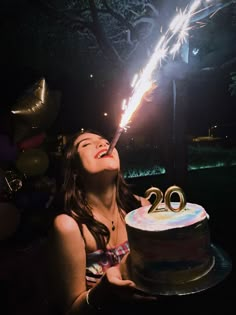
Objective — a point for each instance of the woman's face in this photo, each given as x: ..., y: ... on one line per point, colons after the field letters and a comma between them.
x: 92, y: 149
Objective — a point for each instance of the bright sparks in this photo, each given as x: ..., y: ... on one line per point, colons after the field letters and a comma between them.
x: 168, y: 45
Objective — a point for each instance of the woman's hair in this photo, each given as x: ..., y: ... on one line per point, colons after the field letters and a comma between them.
x: 75, y: 201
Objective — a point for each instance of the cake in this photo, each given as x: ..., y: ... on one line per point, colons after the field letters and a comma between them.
x: 171, y: 251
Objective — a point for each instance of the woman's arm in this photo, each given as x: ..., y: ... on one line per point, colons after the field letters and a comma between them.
x: 67, y: 264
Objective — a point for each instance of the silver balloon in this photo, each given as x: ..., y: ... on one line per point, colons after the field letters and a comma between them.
x: 38, y: 107
x: 14, y: 183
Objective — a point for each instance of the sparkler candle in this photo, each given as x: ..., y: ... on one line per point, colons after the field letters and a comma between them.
x: 133, y: 104
x: 169, y: 44
x: 114, y: 140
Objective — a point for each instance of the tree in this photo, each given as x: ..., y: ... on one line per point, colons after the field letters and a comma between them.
x: 232, y: 86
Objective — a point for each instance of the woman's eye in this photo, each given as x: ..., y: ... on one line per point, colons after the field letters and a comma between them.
x: 107, y: 142
x: 85, y: 144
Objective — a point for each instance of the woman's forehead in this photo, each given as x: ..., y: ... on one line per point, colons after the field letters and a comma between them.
x: 86, y: 136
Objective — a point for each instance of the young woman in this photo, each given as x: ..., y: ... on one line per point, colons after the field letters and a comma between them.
x: 89, y: 243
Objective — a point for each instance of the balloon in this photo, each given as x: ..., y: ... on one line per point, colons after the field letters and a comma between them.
x: 5, y: 190
x: 39, y: 106
x: 32, y: 162
x: 9, y: 220
x: 22, y: 130
x: 32, y: 142
x: 13, y: 180
x: 8, y: 150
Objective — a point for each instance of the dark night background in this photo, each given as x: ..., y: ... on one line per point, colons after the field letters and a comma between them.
x: 88, y: 52
x: 44, y: 38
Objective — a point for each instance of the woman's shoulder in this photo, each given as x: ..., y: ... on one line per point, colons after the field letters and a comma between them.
x: 64, y: 234
x: 63, y: 223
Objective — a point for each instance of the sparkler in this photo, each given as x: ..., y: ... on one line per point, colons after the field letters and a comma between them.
x: 169, y: 44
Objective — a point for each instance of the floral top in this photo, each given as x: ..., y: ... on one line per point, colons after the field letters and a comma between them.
x: 99, y: 261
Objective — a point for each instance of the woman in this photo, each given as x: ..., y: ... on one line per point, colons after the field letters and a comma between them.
x: 89, y: 241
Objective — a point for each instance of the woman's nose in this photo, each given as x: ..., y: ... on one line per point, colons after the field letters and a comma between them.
x: 102, y: 143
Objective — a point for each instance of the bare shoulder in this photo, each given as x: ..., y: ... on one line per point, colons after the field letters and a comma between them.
x: 64, y: 223
x: 66, y: 231
x: 144, y: 201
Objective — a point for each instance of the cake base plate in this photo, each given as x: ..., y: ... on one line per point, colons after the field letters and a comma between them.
x: 221, y: 268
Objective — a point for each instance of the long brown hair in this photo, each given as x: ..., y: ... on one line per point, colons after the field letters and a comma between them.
x: 75, y: 200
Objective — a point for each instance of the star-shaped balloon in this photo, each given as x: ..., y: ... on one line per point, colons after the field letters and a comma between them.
x: 37, y: 109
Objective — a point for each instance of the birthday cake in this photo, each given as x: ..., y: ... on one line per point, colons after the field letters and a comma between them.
x: 171, y: 251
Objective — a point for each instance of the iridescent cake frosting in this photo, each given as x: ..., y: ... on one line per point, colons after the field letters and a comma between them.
x: 163, y: 219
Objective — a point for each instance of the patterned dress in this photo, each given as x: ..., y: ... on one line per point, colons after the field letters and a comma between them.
x: 99, y: 261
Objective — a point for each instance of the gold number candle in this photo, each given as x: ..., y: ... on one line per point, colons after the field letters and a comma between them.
x: 167, y: 198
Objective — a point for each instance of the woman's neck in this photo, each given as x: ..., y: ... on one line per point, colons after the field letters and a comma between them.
x: 103, y: 200
x: 101, y: 192
x: 101, y: 185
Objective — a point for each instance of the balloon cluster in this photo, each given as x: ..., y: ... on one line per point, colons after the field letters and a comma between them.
x: 24, y: 160
x: 33, y: 113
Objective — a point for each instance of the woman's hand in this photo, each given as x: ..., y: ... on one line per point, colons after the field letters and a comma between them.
x: 115, y: 287
x: 114, y: 277
x: 125, y: 289
x: 136, y: 294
